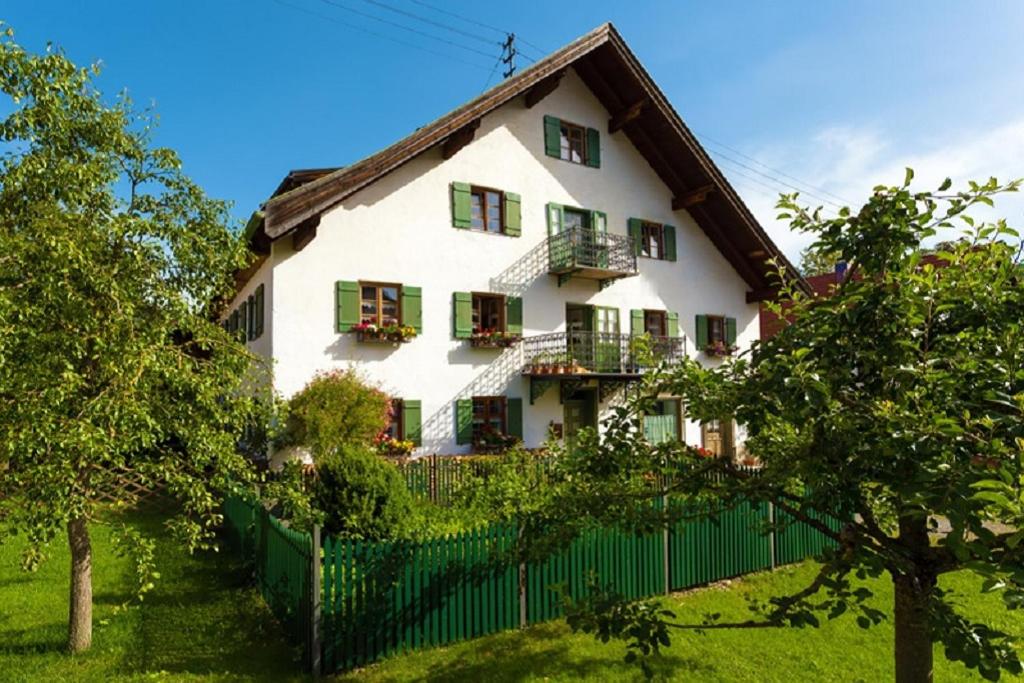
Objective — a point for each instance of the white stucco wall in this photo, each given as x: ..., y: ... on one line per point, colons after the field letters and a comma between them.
x: 399, y: 230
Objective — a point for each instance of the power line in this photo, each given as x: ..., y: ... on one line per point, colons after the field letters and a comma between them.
x: 476, y: 22
x: 460, y: 16
x: 407, y: 28
x: 782, y: 183
x: 382, y: 36
x: 770, y: 168
x: 773, y: 191
x: 425, y: 20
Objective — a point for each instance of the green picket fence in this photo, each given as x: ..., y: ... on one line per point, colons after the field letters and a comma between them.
x: 631, y: 564
x: 377, y: 599
x: 281, y: 559
x: 384, y: 598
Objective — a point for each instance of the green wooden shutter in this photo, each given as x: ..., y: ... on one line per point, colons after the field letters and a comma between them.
x: 553, y: 137
x: 514, y: 314
x: 412, y: 416
x: 554, y: 212
x: 233, y: 321
x: 593, y: 148
x: 702, y: 331
x: 636, y: 321
x: 513, y: 214
x: 635, y: 231
x: 730, y: 331
x: 243, y: 319
x: 599, y: 221
x: 462, y: 314
x: 251, y: 308
x: 260, y: 303
x: 673, y: 324
x: 464, y: 421
x: 412, y: 307
x: 670, y: 242
x: 515, y: 417
x: 346, y: 305
x: 462, y: 214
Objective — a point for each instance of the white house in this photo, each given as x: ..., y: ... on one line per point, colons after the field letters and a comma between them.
x: 528, y: 237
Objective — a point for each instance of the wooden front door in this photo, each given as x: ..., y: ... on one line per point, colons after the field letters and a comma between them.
x: 716, y: 436
x: 580, y: 410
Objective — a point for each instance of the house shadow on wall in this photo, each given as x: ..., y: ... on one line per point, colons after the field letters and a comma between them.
x: 500, y: 377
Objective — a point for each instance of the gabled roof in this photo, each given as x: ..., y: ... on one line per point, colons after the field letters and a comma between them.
x: 638, y: 108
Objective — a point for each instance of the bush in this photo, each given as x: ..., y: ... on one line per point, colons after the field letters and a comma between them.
x: 335, y: 409
x: 362, y: 496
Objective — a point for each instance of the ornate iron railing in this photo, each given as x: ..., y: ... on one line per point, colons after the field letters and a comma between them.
x: 578, y: 248
x: 576, y: 353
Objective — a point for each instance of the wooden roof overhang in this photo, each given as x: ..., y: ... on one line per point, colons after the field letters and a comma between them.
x: 637, y: 107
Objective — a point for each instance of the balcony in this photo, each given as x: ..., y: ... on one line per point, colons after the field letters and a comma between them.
x: 580, y: 252
x: 573, y: 359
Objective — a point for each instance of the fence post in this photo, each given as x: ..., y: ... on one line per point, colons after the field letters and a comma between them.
x: 664, y: 544
x: 316, y: 581
x: 771, y: 536
x: 522, y: 579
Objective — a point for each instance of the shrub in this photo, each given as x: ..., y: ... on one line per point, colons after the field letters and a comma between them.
x: 362, y: 496
x: 335, y: 409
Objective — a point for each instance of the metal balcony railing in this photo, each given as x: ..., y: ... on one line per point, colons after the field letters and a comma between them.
x: 597, y: 255
x: 581, y: 353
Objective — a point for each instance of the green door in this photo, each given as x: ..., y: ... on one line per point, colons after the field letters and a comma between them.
x: 579, y: 327
x: 607, y: 351
x: 580, y: 411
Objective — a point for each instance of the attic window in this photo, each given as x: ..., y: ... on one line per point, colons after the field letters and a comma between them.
x: 573, y: 143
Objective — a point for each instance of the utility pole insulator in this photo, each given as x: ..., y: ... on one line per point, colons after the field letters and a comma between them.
x: 508, y: 54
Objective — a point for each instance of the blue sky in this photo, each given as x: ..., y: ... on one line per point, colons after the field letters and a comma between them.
x: 840, y: 96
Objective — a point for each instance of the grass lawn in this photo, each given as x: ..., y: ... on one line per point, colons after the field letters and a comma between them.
x: 201, y: 623
x: 839, y: 651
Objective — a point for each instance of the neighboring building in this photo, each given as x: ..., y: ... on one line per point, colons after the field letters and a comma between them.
x: 569, y: 206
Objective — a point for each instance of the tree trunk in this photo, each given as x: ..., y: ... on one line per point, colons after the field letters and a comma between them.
x: 913, y: 594
x: 80, y: 618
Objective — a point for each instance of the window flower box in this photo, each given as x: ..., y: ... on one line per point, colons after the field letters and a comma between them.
x: 493, y: 339
x: 492, y: 442
x: 384, y: 334
x: 719, y: 349
x: 394, y: 447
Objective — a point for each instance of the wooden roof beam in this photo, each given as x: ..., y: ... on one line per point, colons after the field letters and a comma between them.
x: 693, y: 197
x: 762, y: 294
x: 627, y: 115
x: 459, y: 139
x: 305, y: 232
x: 544, y: 88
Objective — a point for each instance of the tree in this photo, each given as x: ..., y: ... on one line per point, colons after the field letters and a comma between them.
x: 110, y: 354
x: 814, y: 262
x: 896, y: 404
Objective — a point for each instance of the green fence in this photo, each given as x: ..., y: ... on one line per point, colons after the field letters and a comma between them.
x: 281, y: 560
x: 381, y: 598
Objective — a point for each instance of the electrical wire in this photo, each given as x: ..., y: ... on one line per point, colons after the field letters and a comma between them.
x: 469, y: 20
x: 333, y: 3
x: 781, y: 183
x: 707, y: 139
x: 382, y: 36
x: 438, y: 24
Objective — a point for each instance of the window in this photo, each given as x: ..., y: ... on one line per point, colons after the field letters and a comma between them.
x: 656, y: 323
x: 573, y: 143
x: 489, y: 416
x: 379, y: 304
x: 716, y: 329
x: 395, y: 429
x: 574, y: 218
x: 488, y: 312
x: 485, y: 210
x: 652, y: 240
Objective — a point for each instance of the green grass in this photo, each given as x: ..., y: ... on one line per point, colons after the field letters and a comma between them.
x: 838, y: 651
x: 202, y: 622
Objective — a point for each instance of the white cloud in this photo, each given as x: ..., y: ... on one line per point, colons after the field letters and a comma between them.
x: 847, y: 161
